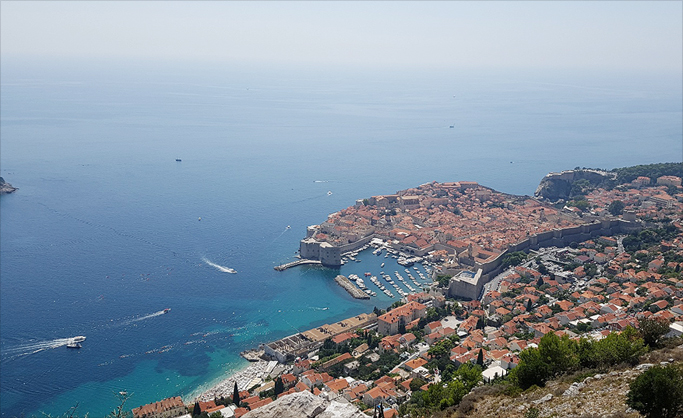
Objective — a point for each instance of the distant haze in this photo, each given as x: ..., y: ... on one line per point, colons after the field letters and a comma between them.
x: 570, y: 35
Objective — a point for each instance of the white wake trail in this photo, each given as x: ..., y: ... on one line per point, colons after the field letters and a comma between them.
x: 33, y: 348
x: 219, y: 267
x: 140, y: 318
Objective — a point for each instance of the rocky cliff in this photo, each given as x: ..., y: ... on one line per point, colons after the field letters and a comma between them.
x: 6, y: 187
x: 555, y: 186
x: 580, y: 395
x: 306, y: 405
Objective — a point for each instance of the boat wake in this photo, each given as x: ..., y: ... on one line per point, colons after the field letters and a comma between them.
x: 35, y: 347
x: 219, y: 267
x: 287, y: 228
x: 141, y: 318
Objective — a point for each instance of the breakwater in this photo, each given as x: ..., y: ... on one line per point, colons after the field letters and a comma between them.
x: 344, y: 282
x: 295, y: 263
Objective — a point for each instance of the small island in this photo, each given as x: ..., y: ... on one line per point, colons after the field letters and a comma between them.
x: 6, y: 187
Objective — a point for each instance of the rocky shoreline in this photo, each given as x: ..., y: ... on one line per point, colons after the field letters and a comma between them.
x: 6, y: 187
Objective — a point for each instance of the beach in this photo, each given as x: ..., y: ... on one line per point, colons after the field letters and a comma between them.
x: 254, y: 374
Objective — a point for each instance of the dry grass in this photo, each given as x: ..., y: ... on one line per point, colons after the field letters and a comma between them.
x: 603, y: 397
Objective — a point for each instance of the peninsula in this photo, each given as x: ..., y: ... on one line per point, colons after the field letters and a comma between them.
x: 6, y: 187
x: 591, y: 268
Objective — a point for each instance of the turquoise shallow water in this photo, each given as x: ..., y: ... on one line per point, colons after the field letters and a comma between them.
x: 104, y: 232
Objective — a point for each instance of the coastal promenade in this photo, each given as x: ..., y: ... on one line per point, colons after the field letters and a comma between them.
x: 283, y: 267
x: 344, y: 282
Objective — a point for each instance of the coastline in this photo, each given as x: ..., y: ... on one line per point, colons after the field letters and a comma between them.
x: 224, y: 388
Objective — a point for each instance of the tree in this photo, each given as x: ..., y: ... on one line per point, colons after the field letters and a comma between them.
x: 616, y: 207
x: 591, y: 269
x: 216, y: 414
x: 416, y: 384
x: 652, y: 330
x: 480, y: 357
x: 582, y: 204
x: 528, y: 305
x: 120, y: 411
x: 236, y: 396
x: 558, y: 353
x: 196, y: 411
x: 441, y: 348
x: 623, y: 347
x: 401, y: 326
x: 531, y: 370
x: 279, y: 386
x: 658, y: 392
x: 513, y: 259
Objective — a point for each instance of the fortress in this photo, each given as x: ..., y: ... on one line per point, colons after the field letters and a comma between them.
x: 468, y: 226
x: 470, y: 284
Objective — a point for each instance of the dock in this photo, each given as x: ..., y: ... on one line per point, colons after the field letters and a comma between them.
x: 344, y: 282
x: 296, y: 263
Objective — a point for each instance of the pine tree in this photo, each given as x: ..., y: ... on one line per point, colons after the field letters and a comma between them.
x: 197, y: 411
x: 236, y: 396
x: 528, y: 306
x: 480, y: 357
x: 279, y: 386
x: 401, y: 326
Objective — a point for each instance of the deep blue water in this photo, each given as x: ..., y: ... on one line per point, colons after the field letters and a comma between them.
x: 104, y: 232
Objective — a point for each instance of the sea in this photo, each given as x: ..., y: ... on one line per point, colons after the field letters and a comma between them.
x: 108, y: 229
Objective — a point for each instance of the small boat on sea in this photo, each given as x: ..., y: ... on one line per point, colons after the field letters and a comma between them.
x: 178, y: 159
x: 381, y: 265
x: 167, y: 310
x: 75, y: 342
x: 329, y: 192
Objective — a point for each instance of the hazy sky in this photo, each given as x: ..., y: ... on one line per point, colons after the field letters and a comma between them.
x: 540, y: 34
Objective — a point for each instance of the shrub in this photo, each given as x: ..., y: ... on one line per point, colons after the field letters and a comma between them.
x: 658, y: 392
x: 532, y: 413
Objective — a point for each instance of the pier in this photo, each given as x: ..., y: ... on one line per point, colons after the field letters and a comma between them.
x: 296, y: 263
x: 349, y: 287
